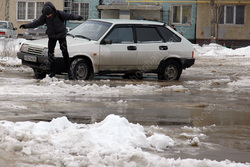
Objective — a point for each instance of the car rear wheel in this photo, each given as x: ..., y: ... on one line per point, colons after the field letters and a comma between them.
x: 39, y: 74
x: 81, y: 69
x: 170, y: 70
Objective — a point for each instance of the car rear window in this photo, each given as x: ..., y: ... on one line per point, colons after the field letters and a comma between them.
x: 169, y: 35
x: 148, y: 34
x: 3, y: 25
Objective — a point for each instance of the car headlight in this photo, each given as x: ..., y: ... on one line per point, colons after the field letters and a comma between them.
x: 24, y: 48
x: 45, y: 52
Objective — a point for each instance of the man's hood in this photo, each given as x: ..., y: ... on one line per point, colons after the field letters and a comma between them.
x: 50, y: 5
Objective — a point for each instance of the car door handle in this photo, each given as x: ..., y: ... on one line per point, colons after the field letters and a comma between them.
x: 132, y: 47
x: 163, y: 47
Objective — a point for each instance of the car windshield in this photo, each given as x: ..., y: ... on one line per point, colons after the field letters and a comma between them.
x: 90, y: 29
x: 3, y: 25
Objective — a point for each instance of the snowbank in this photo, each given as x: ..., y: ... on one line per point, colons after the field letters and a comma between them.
x: 8, y: 49
x: 220, y: 51
x: 112, y: 142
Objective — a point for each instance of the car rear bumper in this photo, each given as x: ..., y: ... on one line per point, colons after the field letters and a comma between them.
x: 187, y: 62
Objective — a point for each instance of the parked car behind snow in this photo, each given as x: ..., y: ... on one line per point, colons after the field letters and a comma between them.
x: 35, y: 33
x: 115, y: 46
x: 7, y: 30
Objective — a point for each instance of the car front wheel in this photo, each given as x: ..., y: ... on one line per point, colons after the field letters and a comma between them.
x: 170, y: 70
x: 81, y: 69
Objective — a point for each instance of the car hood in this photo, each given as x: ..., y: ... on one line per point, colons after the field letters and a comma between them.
x: 44, y: 42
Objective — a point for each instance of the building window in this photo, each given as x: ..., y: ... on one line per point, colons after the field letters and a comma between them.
x: 39, y: 8
x: 81, y: 9
x: 29, y: 10
x: 21, y: 10
x: 232, y: 15
x: 182, y: 14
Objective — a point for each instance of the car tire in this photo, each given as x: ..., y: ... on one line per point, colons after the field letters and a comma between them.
x: 81, y: 69
x: 39, y: 74
x: 170, y: 70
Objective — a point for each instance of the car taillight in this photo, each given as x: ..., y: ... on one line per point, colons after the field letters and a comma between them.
x: 193, y: 54
x: 2, y: 33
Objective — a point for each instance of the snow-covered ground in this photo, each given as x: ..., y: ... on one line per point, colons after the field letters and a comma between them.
x: 114, y: 141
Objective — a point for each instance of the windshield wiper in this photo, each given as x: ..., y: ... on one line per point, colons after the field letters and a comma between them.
x: 70, y: 35
x: 83, y: 37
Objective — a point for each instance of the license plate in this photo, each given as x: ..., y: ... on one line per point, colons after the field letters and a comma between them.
x: 30, y: 58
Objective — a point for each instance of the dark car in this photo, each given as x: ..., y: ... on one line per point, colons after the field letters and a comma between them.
x: 35, y: 33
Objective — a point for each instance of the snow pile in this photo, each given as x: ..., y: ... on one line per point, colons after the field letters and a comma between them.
x: 112, y: 142
x: 10, y: 61
x: 160, y: 141
x: 193, y: 135
x: 8, y: 51
x: 220, y: 51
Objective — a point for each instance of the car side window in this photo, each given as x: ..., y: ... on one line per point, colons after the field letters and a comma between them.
x: 121, y: 35
x: 169, y: 35
x: 148, y: 34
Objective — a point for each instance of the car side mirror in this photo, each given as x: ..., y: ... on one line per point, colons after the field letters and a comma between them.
x: 107, y: 41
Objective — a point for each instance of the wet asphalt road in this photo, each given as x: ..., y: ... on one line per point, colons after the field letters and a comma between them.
x: 209, y: 101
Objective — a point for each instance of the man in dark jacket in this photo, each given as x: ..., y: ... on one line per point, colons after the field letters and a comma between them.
x: 56, y: 30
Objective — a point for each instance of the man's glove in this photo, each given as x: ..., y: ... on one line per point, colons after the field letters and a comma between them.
x: 80, y: 18
x: 22, y: 26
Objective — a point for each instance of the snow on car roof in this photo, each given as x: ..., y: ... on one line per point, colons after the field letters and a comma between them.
x: 125, y: 21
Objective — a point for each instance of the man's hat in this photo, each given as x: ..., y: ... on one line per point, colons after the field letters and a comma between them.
x: 47, y: 10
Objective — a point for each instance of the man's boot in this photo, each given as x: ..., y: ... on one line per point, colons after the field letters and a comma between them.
x: 70, y: 76
x: 52, y: 74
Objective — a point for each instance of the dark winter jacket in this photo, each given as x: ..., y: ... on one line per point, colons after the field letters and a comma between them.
x: 55, y: 24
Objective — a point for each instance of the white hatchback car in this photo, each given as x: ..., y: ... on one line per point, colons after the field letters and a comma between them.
x: 7, y: 30
x: 102, y: 46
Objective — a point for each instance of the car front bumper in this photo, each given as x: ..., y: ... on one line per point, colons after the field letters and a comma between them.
x: 34, y: 61
x: 41, y: 62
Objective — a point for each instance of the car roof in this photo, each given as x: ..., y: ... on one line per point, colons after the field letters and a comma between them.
x: 4, y: 21
x: 125, y: 21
